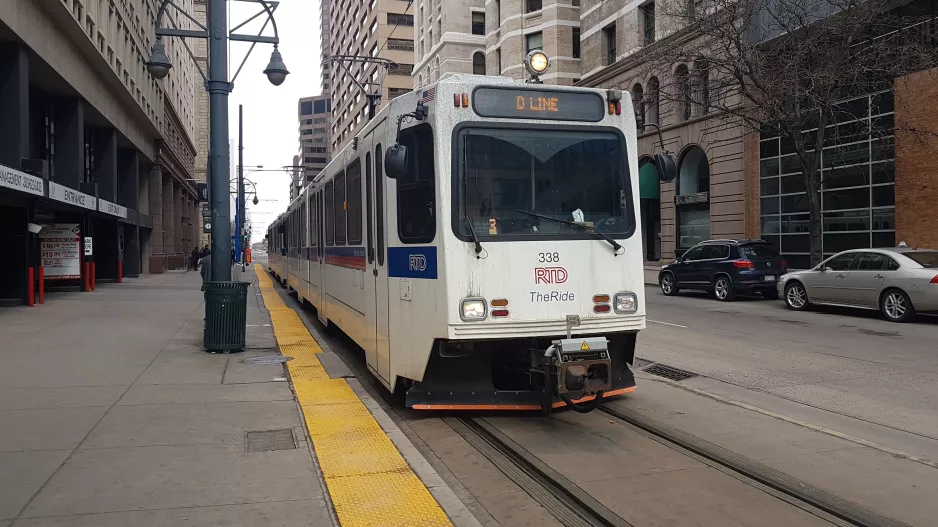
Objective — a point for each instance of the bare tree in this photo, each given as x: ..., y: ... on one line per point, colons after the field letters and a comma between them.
x: 786, y: 65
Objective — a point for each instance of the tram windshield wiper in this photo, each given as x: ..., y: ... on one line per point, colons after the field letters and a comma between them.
x: 475, y: 238
x: 615, y: 245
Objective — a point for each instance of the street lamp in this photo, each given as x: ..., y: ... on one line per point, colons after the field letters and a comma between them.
x: 219, y: 86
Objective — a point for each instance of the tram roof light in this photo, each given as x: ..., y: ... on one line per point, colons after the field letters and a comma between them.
x: 536, y: 62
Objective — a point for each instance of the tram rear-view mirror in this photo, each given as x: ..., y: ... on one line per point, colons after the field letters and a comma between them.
x: 395, y: 161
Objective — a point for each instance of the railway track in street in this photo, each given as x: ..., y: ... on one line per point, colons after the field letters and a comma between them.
x: 573, y: 506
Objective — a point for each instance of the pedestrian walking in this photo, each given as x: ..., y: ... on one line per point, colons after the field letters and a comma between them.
x: 206, y: 269
x: 194, y: 259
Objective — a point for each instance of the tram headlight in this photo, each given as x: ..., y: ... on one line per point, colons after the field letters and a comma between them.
x: 472, y: 309
x: 626, y: 303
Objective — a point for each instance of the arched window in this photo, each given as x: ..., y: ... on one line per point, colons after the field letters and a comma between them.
x: 703, y: 87
x: 651, y: 104
x: 693, y: 215
x: 682, y: 87
x: 638, y: 100
x: 478, y: 63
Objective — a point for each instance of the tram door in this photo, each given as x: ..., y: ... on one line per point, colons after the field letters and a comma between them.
x: 377, y: 352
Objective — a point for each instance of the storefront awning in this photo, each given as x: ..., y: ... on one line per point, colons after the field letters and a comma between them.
x: 648, y: 187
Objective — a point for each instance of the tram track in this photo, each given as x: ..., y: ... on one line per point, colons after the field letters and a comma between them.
x: 572, y: 506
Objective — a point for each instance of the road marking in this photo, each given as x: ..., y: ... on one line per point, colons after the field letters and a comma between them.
x: 803, y: 424
x: 666, y: 323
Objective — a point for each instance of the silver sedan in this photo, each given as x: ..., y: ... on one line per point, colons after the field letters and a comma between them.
x: 896, y: 281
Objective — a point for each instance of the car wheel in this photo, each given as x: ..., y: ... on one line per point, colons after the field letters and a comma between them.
x: 771, y: 294
x: 668, y: 287
x: 723, y: 289
x: 896, y: 306
x: 796, y: 297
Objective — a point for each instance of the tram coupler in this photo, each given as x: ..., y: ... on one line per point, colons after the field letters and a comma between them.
x: 581, y: 367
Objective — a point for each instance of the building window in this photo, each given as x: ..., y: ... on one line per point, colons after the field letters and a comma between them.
x: 534, y: 5
x: 609, y: 43
x: 319, y: 107
x: 534, y: 41
x: 683, y: 87
x: 648, y: 22
x: 478, y: 23
x: 576, y: 43
x: 857, y: 189
x: 498, y: 12
x: 400, y: 44
x: 652, y: 98
x: 394, y: 93
x: 416, y: 195
x: 702, y: 86
x: 638, y: 101
x: 374, y: 27
x: 478, y: 63
x: 498, y: 61
x: 693, y: 220
x: 401, y: 20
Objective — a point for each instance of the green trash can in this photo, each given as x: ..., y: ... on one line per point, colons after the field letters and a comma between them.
x: 226, y: 305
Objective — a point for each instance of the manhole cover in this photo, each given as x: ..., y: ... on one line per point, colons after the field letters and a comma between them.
x: 641, y: 363
x: 669, y: 372
x: 279, y: 359
x: 269, y: 440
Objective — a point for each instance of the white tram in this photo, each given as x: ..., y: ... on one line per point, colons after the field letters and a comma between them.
x: 479, y: 240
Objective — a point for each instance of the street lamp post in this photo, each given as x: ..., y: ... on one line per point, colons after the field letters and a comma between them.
x: 219, y: 87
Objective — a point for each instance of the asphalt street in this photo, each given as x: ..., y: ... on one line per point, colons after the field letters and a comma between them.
x: 842, y: 362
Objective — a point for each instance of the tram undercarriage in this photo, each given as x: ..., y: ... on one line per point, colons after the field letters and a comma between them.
x: 539, y: 373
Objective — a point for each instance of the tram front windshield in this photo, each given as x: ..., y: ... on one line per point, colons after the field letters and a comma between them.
x: 512, y: 182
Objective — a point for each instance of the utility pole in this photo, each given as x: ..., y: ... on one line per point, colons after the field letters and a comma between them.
x: 218, y: 89
x: 239, y: 202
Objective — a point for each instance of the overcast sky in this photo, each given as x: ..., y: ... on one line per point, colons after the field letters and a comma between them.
x: 270, y: 113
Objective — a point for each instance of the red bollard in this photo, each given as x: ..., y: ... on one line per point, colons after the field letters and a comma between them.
x: 94, y: 279
x: 30, y: 292
x: 87, y: 276
x: 120, y: 271
x: 42, y: 285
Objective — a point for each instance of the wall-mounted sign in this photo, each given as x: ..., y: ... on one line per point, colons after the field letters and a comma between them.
x: 72, y: 197
x: 203, y: 191
x: 690, y: 199
x: 60, y: 247
x: 89, y: 246
x: 554, y: 105
x: 111, y: 208
x: 21, y: 181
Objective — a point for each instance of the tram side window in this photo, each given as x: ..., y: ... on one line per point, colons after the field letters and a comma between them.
x: 340, y: 208
x: 330, y: 216
x: 313, y: 233
x: 416, y: 193
x: 354, y: 209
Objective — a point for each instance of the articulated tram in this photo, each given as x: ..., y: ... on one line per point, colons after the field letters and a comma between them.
x: 478, y: 240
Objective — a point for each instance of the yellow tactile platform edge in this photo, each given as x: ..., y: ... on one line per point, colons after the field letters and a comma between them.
x: 369, y: 482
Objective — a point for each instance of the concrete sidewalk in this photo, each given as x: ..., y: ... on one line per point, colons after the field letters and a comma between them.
x: 112, y: 415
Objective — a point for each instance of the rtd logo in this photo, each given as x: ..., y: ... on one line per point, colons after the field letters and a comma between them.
x: 550, y: 275
x: 417, y: 262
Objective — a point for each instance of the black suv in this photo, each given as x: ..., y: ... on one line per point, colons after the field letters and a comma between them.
x: 725, y: 268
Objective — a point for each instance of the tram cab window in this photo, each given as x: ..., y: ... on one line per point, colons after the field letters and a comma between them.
x: 512, y: 182
x: 416, y: 192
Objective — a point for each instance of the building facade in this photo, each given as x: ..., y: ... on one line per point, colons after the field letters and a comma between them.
x: 375, y: 28
x: 89, y: 141
x: 494, y: 37
x: 733, y: 182
x: 315, y: 139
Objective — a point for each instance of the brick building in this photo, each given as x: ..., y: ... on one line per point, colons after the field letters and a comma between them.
x: 89, y: 141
